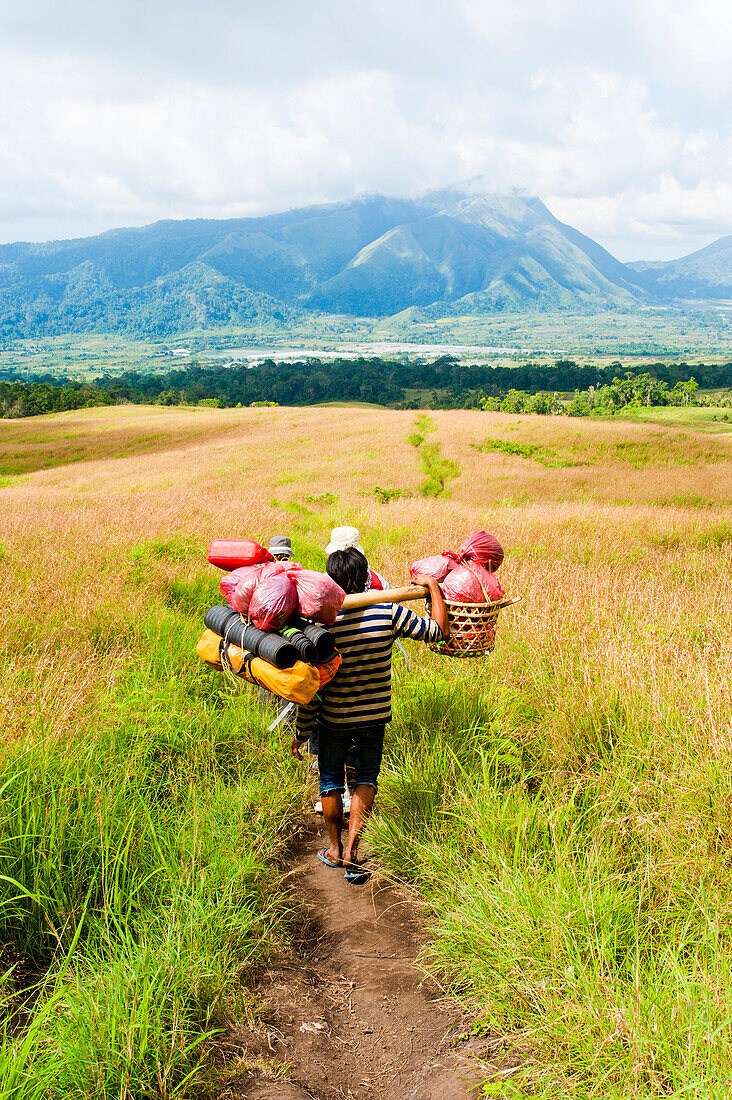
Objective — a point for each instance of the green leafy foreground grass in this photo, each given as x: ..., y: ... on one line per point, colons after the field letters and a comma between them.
x: 582, y: 913
x: 139, y: 881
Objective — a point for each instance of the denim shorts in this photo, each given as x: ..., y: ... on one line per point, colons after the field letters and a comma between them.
x: 333, y: 748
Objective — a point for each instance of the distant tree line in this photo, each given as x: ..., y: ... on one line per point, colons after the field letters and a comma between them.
x: 442, y: 383
x: 632, y: 391
x: 34, y: 398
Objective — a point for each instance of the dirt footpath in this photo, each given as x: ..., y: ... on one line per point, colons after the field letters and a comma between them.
x: 347, y: 1014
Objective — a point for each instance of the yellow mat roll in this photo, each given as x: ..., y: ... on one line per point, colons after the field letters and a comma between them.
x: 297, y: 684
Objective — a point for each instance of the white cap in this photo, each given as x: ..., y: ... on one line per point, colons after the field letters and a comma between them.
x: 344, y: 538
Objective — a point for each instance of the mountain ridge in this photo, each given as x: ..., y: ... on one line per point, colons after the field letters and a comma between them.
x: 375, y: 257
x: 706, y: 273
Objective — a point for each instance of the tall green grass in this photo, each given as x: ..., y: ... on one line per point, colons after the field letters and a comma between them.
x: 139, y: 879
x: 584, y: 911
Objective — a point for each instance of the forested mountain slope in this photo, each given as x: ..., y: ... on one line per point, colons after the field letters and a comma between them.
x: 703, y: 274
x: 372, y: 257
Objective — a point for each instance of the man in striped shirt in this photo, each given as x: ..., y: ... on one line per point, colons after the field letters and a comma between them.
x: 356, y: 704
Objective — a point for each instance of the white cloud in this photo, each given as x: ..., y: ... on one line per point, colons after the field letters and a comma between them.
x: 615, y: 113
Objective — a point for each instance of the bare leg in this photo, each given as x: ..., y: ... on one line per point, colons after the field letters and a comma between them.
x: 361, y: 803
x: 333, y: 814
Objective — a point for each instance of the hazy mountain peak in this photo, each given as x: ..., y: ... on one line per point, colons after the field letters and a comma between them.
x: 374, y: 256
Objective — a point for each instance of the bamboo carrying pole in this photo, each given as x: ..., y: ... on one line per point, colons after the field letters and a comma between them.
x: 386, y: 595
x: 400, y: 595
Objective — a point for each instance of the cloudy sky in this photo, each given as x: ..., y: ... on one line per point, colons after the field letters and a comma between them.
x: 616, y: 112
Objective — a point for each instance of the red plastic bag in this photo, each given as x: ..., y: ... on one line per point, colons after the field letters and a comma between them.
x: 228, y: 583
x: 318, y: 596
x: 472, y: 584
x: 233, y: 553
x: 251, y: 576
x: 274, y: 600
x: 376, y: 582
x: 482, y: 548
x: 437, y: 566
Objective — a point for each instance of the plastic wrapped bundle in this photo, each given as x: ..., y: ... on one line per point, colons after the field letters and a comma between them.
x: 318, y: 596
x: 228, y: 583
x: 249, y: 579
x: 273, y: 602
x: 329, y: 669
x: 482, y: 548
x: 472, y: 584
x: 298, y: 683
x: 437, y: 566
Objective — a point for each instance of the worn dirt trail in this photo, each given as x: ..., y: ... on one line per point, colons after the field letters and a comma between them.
x: 347, y: 1014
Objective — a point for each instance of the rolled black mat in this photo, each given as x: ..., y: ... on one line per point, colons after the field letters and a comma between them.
x: 275, y: 649
x: 307, y: 649
x: 323, y: 639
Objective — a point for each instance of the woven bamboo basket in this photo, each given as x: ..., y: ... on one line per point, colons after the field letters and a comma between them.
x: 472, y: 625
x: 472, y: 628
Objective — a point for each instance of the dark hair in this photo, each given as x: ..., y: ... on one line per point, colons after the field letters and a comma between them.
x: 349, y: 569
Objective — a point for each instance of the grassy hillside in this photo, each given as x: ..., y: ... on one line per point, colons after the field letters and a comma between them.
x: 563, y: 808
x: 713, y: 419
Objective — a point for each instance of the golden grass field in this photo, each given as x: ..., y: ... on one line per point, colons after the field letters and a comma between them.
x: 617, y: 544
x: 618, y: 539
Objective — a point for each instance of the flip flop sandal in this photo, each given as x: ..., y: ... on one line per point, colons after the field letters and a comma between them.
x: 327, y: 862
x: 356, y: 875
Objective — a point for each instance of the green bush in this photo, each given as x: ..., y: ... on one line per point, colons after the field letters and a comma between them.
x: 423, y: 425
x: 440, y: 471
x: 524, y: 450
x: 383, y: 496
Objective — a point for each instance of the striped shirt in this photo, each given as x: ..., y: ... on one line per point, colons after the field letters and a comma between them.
x: 360, y: 692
